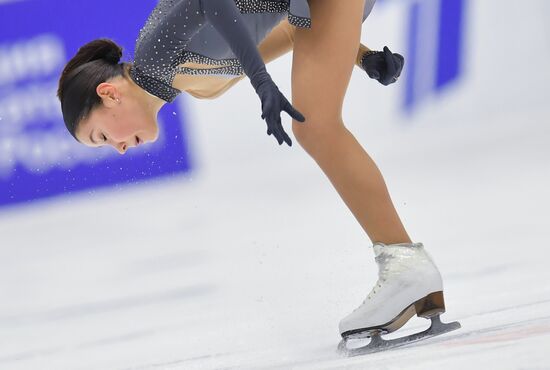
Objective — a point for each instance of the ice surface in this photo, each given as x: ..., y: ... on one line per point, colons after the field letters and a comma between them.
x: 214, y: 272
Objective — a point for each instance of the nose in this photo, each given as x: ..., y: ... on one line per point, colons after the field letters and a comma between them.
x: 122, y: 147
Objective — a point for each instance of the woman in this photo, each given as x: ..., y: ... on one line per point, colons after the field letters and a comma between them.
x: 204, y: 47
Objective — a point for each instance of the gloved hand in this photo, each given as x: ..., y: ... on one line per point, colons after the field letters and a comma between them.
x: 226, y: 18
x: 383, y: 66
x: 273, y: 102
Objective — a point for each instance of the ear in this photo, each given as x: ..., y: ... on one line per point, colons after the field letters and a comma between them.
x: 108, y: 93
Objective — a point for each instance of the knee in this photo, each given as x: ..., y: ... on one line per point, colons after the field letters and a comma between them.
x: 317, y: 132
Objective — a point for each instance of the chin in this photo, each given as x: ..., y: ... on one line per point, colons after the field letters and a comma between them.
x: 155, y: 135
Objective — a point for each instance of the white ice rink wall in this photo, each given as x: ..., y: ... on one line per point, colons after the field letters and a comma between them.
x: 131, y: 272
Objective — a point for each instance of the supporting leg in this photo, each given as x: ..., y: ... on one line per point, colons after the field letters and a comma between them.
x: 323, y: 60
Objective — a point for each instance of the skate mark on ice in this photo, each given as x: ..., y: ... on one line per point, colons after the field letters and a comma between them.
x: 44, y: 352
x: 163, y: 365
x: 485, y: 271
x: 502, y: 333
x: 164, y: 263
x: 69, y: 312
x: 508, y: 308
x: 27, y: 355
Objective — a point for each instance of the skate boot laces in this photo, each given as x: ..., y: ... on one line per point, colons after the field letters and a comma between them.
x: 392, y: 260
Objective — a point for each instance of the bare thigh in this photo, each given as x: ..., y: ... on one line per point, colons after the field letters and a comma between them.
x: 323, y: 60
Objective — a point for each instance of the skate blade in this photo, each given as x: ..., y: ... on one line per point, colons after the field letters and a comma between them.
x: 377, y: 343
x: 389, y: 327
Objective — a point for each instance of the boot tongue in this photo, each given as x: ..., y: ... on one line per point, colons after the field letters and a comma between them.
x: 378, y: 248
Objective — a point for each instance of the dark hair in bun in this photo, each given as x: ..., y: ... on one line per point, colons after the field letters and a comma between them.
x: 94, y: 63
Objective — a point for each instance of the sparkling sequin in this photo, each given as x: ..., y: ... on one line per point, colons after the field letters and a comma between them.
x: 162, y: 43
x: 259, y: 6
x: 153, y: 86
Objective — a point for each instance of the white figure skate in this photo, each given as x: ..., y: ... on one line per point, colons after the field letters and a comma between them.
x: 408, y: 283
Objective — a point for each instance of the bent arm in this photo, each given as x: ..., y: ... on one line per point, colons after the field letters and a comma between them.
x: 276, y: 44
x: 226, y: 18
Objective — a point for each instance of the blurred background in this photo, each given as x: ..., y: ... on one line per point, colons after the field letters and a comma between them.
x: 214, y: 248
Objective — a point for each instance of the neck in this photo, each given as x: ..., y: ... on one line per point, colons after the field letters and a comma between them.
x: 151, y: 102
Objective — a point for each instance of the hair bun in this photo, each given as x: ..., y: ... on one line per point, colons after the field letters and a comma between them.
x: 109, y: 51
x: 113, y: 55
x: 104, y: 49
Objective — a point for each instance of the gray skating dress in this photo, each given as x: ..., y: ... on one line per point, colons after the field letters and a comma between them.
x: 181, y: 31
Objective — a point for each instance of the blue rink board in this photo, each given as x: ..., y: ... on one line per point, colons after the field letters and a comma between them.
x: 38, y: 157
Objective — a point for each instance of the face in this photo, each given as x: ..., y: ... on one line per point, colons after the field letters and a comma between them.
x: 121, y: 121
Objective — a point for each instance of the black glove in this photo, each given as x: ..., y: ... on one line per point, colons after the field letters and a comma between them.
x: 273, y: 102
x: 226, y: 18
x: 383, y: 66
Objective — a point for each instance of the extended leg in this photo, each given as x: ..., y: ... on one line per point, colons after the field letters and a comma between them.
x: 322, y: 64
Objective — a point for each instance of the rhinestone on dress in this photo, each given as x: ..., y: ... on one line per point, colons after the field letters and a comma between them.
x: 156, y: 74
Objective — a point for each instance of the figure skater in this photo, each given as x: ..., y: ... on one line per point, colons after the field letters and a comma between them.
x: 204, y: 47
